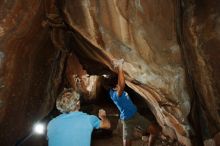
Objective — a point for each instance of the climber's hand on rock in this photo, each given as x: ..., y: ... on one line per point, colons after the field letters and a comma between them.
x: 118, y: 63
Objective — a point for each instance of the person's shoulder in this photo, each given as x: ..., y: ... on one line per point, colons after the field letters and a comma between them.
x: 112, y: 90
x: 92, y: 116
x: 113, y: 94
x: 80, y: 114
x: 125, y: 93
x: 83, y: 115
x: 54, y: 120
x: 94, y: 121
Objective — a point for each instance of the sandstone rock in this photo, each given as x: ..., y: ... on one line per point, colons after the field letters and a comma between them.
x: 170, y: 48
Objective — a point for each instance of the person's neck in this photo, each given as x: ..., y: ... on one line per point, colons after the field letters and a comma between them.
x: 75, y: 110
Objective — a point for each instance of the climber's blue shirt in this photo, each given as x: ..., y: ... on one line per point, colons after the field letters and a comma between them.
x: 124, y: 104
x: 72, y: 129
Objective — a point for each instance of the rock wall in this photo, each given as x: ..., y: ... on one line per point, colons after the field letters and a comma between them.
x: 171, y: 52
x: 144, y: 34
x: 26, y: 55
x: 200, y: 40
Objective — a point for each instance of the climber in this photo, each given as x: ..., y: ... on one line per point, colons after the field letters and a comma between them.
x: 129, y: 116
x: 72, y: 127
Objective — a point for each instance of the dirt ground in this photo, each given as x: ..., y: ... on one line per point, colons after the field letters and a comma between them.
x: 115, y: 139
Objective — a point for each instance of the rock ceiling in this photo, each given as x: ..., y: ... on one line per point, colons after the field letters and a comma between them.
x: 171, y: 52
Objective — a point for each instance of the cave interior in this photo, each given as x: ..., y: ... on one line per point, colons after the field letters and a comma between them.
x: 172, y: 71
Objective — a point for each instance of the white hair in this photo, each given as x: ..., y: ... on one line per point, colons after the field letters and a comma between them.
x: 67, y: 101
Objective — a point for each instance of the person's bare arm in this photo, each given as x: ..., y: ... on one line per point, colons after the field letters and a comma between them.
x: 105, y: 123
x: 121, y: 81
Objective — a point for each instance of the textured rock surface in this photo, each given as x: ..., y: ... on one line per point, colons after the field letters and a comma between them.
x: 25, y: 67
x: 200, y: 41
x: 171, y: 52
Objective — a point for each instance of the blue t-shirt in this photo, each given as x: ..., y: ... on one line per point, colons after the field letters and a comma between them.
x: 124, y: 104
x: 72, y: 129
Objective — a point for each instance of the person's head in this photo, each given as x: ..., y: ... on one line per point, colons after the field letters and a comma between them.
x: 68, y: 101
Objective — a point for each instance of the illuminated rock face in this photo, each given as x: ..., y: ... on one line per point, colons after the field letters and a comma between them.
x: 171, y: 52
